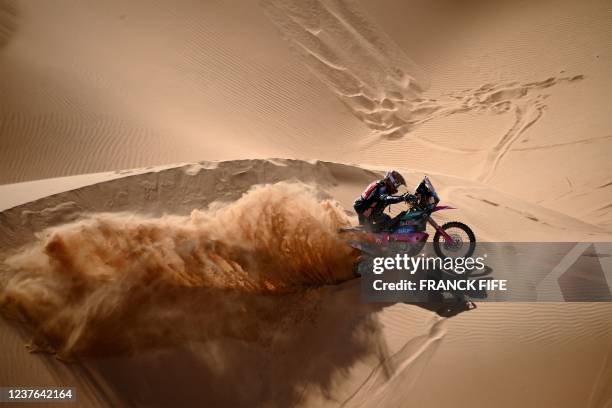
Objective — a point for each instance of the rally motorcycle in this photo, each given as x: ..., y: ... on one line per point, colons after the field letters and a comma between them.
x: 406, y: 231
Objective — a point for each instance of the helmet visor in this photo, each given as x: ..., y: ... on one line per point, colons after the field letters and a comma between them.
x: 396, y: 179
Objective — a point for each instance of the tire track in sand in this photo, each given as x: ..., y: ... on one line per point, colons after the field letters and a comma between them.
x: 383, y: 87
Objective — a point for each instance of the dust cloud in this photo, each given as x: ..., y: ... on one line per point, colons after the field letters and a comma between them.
x: 118, y: 283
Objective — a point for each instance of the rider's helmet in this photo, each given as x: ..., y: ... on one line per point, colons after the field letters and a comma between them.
x: 393, y: 180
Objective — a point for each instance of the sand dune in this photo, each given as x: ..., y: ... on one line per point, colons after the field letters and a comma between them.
x: 390, y: 353
x: 203, y: 82
x: 504, y: 105
x: 272, y: 96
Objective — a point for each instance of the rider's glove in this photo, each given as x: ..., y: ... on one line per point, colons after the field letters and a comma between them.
x: 411, y: 198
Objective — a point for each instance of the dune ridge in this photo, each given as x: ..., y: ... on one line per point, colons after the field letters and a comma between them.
x: 493, y: 214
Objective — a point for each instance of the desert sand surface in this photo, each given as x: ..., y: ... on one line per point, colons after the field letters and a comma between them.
x: 314, y: 344
x: 136, y: 146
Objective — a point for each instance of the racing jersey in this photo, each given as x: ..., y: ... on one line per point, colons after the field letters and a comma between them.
x: 374, y: 199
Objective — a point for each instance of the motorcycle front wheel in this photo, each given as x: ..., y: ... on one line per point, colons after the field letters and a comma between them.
x: 463, y: 245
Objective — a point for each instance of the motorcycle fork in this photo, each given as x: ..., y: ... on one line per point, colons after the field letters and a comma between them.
x: 438, y: 228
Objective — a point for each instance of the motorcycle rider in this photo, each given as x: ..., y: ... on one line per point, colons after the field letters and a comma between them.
x: 370, y: 206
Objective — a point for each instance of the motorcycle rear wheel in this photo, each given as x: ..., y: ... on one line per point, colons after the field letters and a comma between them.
x: 465, y: 241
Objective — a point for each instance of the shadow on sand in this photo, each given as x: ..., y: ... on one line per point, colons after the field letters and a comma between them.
x: 250, y: 357
x: 232, y: 352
